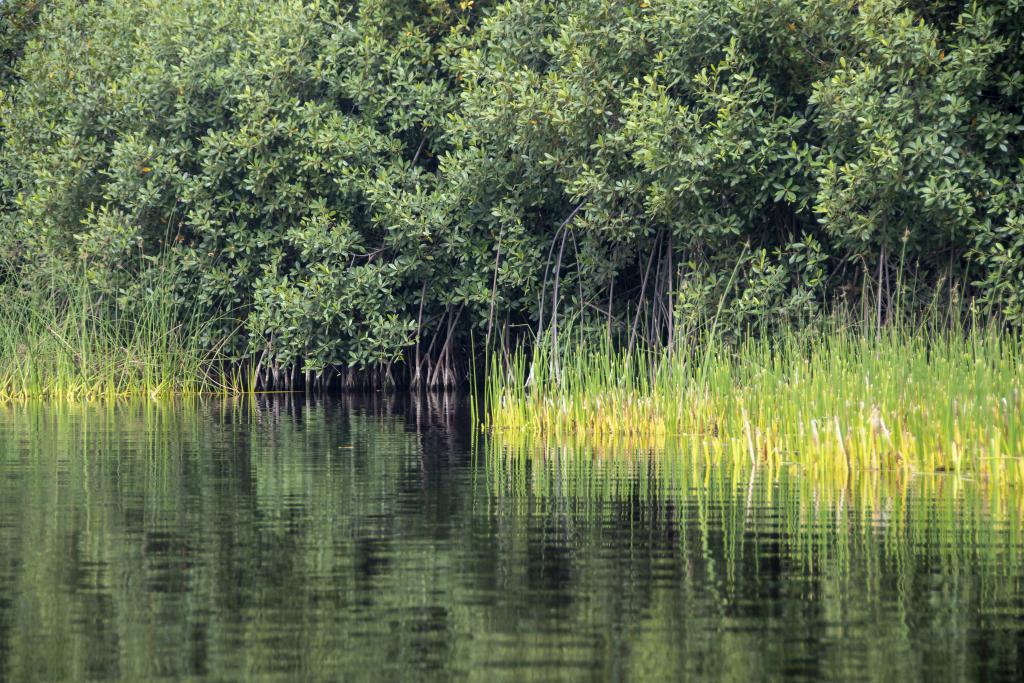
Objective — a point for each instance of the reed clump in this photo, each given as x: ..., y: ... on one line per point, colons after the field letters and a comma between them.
x: 64, y: 341
x: 836, y: 402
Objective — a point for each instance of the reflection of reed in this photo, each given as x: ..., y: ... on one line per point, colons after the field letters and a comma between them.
x: 592, y: 472
x: 333, y: 540
x: 840, y: 408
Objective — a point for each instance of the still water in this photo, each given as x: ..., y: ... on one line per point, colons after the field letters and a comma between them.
x: 373, y: 539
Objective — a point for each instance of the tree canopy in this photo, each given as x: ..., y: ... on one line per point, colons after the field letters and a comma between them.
x: 357, y: 184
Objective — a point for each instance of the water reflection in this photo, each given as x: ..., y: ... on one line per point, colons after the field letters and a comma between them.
x: 366, y: 538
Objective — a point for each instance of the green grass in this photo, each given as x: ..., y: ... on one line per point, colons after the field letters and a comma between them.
x: 837, y: 403
x: 65, y: 342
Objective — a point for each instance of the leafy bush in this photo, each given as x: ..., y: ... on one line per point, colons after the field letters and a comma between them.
x: 17, y: 24
x: 346, y: 184
x: 248, y: 139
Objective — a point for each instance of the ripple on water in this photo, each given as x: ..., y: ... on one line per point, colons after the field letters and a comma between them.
x: 365, y: 538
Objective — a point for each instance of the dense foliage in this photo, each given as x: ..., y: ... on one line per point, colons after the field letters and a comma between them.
x: 359, y: 183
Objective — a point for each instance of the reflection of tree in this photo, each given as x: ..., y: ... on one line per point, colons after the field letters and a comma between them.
x: 334, y: 539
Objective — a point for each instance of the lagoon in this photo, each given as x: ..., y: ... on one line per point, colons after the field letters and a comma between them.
x: 383, y: 538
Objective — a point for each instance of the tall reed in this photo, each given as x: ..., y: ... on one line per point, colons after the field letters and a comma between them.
x: 836, y: 401
x: 62, y: 340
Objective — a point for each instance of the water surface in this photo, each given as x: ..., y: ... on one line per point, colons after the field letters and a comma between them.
x: 371, y: 539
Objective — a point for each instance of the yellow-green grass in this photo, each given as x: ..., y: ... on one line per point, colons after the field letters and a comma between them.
x: 67, y: 343
x: 838, y: 403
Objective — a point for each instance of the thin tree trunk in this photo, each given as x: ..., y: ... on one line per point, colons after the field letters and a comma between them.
x: 878, y: 312
x: 427, y: 358
x: 671, y: 303
x: 554, y: 306
x: 579, y: 281
x: 547, y: 266
x: 611, y: 290
x: 415, y: 379
x: 444, y: 356
x: 643, y: 290
x: 494, y: 291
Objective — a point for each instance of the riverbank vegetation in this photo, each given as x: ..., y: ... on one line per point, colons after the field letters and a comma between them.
x: 837, y: 402
x: 62, y: 341
x: 364, y: 193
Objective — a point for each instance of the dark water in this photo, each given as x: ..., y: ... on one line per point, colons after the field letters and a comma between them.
x: 369, y: 540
